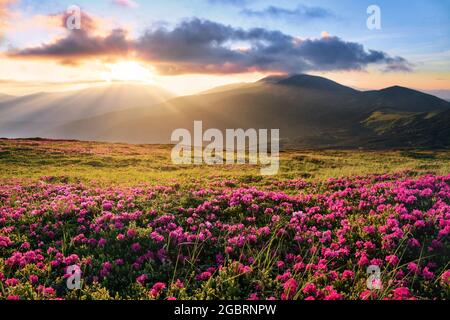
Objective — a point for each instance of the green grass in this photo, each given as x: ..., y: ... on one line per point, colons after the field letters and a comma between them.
x: 382, y: 122
x: 123, y: 164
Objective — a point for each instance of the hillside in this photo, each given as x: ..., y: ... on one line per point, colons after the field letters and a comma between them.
x: 309, y: 111
x: 29, y: 115
x: 5, y: 97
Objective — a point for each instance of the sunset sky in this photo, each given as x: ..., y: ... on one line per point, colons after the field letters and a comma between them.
x: 190, y: 46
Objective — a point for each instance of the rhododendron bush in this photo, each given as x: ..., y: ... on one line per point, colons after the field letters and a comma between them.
x: 287, y: 240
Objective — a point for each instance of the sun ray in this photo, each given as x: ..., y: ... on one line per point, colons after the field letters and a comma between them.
x: 129, y: 71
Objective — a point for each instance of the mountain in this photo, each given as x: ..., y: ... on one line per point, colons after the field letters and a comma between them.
x: 404, y: 99
x: 395, y: 129
x: 29, y: 115
x: 309, y: 111
x: 227, y: 88
x: 5, y: 97
x: 304, y: 81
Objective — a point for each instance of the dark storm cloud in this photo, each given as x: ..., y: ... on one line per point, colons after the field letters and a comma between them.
x: 80, y: 45
x: 332, y: 53
x: 301, y: 12
x: 205, y: 46
x: 202, y: 46
x: 399, y: 65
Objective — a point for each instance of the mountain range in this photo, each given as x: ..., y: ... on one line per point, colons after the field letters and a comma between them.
x: 310, y: 111
x: 32, y: 115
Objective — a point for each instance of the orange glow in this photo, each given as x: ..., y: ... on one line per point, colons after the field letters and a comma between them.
x: 129, y: 71
x: 378, y: 80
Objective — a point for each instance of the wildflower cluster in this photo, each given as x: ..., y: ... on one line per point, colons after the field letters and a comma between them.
x: 295, y: 240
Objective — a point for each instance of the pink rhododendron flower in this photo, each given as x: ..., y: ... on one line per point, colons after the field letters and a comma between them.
x: 142, y: 278
x: 310, y: 289
x: 157, y: 288
x: 392, y: 260
x: 340, y: 226
x: 33, y: 279
x: 290, y: 289
x: 427, y: 274
x: 348, y: 274
x: 131, y: 233
x: 136, y: 247
x: 414, y: 268
x: 401, y: 293
x: 12, y: 282
x: 446, y: 277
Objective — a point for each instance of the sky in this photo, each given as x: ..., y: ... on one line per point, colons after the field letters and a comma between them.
x: 191, y: 46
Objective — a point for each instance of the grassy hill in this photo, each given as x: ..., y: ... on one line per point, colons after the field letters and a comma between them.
x: 151, y: 164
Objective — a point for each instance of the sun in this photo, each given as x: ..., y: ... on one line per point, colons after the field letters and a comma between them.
x: 129, y: 71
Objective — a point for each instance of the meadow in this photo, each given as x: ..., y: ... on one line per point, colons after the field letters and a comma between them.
x: 140, y: 227
x: 128, y: 165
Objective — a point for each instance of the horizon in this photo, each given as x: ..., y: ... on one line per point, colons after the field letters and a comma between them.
x: 442, y: 94
x: 119, y: 41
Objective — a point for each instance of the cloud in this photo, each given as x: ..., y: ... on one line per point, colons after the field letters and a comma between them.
x: 90, y: 23
x: 5, y: 7
x: 206, y: 47
x: 332, y: 54
x: 301, y: 12
x: 125, y: 3
x: 202, y: 46
x: 4, y: 15
x: 399, y: 65
x: 77, y: 45
x: 17, y: 24
x: 237, y: 3
x: 56, y: 23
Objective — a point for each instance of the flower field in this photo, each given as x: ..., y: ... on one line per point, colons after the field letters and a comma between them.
x: 227, y: 238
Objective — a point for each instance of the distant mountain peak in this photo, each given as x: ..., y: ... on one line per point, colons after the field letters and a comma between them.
x: 306, y: 81
x: 405, y: 99
x: 292, y: 78
x: 272, y: 79
x: 398, y: 89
